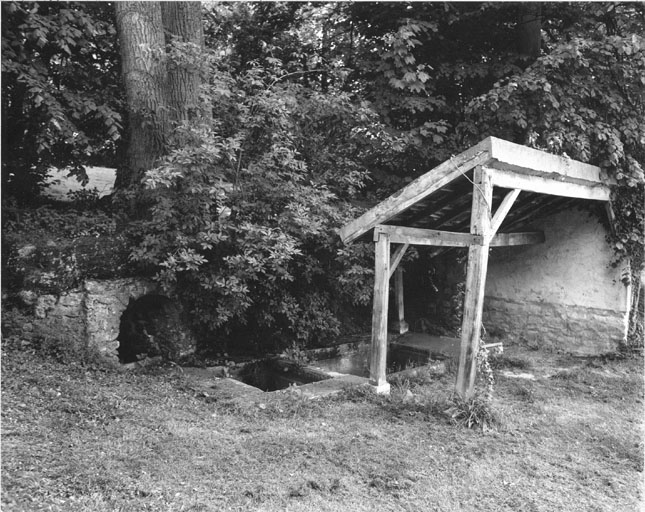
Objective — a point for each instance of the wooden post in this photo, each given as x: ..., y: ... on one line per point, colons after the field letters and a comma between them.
x: 378, y: 360
x: 403, y: 326
x: 480, y: 224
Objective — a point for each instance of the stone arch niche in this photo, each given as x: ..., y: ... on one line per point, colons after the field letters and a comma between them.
x: 92, y: 314
x: 108, y: 304
x: 151, y: 326
x: 104, y: 304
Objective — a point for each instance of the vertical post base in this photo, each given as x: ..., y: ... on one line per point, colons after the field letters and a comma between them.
x: 380, y: 389
x: 401, y: 327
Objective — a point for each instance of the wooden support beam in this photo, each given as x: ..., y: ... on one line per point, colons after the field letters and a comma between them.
x: 532, y: 210
x: 507, y: 239
x: 515, y: 166
x: 452, y: 198
x: 457, y: 218
x: 397, y: 257
x: 403, y: 326
x: 504, y: 239
x: 416, y: 190
x: 461, y: 220
x: 418, y: 236
x: 548, y: 185
x: 519, y: 159
x: 503, y: 209
x: 378, y: 360
x: 480, y: 225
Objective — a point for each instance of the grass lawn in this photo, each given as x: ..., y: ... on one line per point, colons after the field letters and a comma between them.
x: 81, y: 438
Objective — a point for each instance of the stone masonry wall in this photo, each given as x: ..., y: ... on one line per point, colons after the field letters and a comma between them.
x: 89, y: 317
x: 574, y: 329
x: 61, y: 317
x: 561, y: 294
x: 105, y: 302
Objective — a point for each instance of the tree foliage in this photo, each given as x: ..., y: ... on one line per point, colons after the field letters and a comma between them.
x: 584, y: 99
x: 60, y: 91
x: 246, y: 209
x: 315, y: 110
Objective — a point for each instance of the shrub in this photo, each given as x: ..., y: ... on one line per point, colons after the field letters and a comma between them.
x: 474, y: 412
x: 501, y: 362
x: 53, y: 248
x: 245, y: 212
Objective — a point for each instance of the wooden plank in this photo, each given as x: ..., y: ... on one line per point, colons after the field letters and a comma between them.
x: 378, y: 359
x: 416, y: 191
x: 419, y: 236
x: 520, y: 167
x: 403, y: 326
x: 462, y: 218
x: 545, y: 185
x: 533, y: 210
x: 480, y: 224
x: 518, y: 158
x: 397, y: 257
x: 460, y: 208
x: 450, y: 197
x: 507, y: 239
x: 459, y: 211
x: 503, y: 209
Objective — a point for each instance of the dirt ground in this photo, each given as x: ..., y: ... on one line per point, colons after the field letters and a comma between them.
x: 77, y: 437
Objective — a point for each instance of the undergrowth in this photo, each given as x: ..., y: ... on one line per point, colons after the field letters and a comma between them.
x: 52, y: 339
x: 77, y: 438
x: 503, y: 362
x: 474, y: 413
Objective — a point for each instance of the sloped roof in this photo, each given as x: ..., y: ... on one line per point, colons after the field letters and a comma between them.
x: 442, y: 198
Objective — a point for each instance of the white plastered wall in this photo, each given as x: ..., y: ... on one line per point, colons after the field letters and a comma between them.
x: 563, y: 293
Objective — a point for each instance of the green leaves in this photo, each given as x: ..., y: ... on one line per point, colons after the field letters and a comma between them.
x: 61, y: 93
x: 585, y: 99
x: 245, y: 211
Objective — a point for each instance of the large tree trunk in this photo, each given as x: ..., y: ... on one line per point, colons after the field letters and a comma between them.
x: 143, y: 61
x: 529, y: 38
x: 183, y: 24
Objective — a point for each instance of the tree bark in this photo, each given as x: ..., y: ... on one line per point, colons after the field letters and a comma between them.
x: 143, y: 62
x: 182, y: 22
x: 529, y: 38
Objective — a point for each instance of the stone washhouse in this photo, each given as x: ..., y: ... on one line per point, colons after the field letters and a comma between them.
x: 539, y: 267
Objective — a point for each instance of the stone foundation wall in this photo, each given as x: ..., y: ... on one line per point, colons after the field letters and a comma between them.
x: 61, y: 318
x: 573, y: 329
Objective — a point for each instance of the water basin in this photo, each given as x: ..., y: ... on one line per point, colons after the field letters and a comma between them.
x: 358, y: 362
x: 275, y: 374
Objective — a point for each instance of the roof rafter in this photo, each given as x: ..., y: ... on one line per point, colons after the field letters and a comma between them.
x: 512, y: 166
x: 422, y: 187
